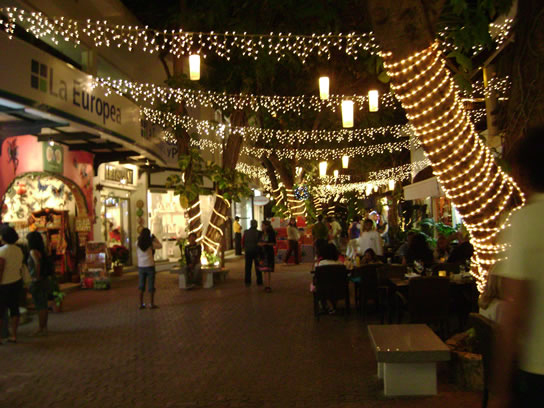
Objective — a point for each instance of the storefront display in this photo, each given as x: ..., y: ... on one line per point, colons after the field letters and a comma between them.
x: 167, y: 222
x: 94, y: 273
x: 115, y: 215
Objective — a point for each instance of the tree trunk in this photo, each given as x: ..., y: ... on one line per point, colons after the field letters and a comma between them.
x: 483, y: 194
x: 214, y: 233
x: 183, y: 139
x: 296, y: 207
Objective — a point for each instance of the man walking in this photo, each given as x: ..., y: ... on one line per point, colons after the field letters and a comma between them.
x: 251, y: 249
x: 293, y: 235
x: 237, y: 228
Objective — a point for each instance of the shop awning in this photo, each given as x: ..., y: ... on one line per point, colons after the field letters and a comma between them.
x: 423, y: 189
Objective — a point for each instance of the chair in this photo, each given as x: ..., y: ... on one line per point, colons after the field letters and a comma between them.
x: 331, y: 284
x: 428, y: 301
x: 386, y: 272
x: 485, y: 338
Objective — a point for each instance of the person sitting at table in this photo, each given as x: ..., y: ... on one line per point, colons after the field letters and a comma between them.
x: 442, y: 250
x: 463, y: 251
x: 401, y: 251
x: 329, y: 255
x: 370, y: 257
x: 370, y: 238
x: 418, y: 251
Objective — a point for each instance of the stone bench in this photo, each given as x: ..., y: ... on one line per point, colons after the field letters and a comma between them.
x: 407, y: 355
x: 209, y: 276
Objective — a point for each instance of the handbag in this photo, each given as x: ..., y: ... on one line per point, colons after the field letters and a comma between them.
x: 25, y: 274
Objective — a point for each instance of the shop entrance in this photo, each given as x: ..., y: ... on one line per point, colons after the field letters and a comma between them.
x: 116, y: 220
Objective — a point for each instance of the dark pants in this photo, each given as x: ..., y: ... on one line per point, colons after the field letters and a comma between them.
x: 238, y: 243
x: 251, y: 258
x: 527, y: 390
x: 293, y: 246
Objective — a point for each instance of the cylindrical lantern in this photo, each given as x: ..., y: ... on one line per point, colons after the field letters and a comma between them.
x: 194, y: 67
x: 373, y: 101
x: 345, y: 162
x: 323, y: 169
x: 324, y: 87
x: 335, y: 172
x: 347, y: 114
x: 391, y: 184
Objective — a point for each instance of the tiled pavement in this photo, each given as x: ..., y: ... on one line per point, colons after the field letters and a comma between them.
x: 230, y: 346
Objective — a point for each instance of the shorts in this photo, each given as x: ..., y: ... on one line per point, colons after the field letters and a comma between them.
x: 146, y: 274
x: 9, y: 297
x: 39, y: 290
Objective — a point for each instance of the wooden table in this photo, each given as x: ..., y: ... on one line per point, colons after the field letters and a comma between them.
x: 407, y: 355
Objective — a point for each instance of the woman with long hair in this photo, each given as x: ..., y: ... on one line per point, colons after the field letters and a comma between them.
x: 146, y: 246
x: 39, y: 288
x: 418, y: 251
x: 267, y: 242
x: 11, y: 280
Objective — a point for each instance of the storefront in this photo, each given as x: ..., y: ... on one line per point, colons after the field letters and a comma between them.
x: 55, y: 131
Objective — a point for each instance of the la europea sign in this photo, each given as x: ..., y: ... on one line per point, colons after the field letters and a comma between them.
x: 32, y: 77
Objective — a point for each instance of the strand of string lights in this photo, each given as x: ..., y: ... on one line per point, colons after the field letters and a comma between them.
x: 462, y: 163
x: 178, y: 42
x: 399, y: 173
x: 289, y: 137
x: 275, y: 104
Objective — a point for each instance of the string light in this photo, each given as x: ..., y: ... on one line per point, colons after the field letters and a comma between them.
x: 484, y: 195
x: 154, y: 94
x: 399, y: 173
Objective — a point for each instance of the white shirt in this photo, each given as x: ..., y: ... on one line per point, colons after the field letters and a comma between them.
x: 370, y: 239
x: 336, y: 228
x: 526, y: 262
x: 145, y: 258
x: 292, y: 233
x: 13, y: 256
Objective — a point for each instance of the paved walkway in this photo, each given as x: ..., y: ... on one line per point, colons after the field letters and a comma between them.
x: 230, y: 346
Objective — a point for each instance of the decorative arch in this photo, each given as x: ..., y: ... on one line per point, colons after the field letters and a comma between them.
x: 79, y: 196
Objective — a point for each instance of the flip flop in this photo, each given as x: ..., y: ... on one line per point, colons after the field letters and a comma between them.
x: 153, y: 307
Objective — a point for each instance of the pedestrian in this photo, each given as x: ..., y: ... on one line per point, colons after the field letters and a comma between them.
x: 336, y: 231
x: 193, y: 252
x: 11, y: 280
x: 320, y: 230
x: 39, y: 266
x: 266, y: 242
x: 293, y: 235
x: 251, y: 240
x: 237, y: 228
x: 353, y: 235
x: 520, y: 336
x: 146, y: 246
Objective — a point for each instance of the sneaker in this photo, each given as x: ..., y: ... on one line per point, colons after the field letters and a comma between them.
x: 142, y: 306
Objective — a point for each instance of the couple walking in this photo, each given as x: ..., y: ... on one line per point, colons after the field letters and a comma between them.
x: 259, y: 250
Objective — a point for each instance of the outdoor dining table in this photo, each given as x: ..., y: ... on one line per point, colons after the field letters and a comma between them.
x: 463, y: 295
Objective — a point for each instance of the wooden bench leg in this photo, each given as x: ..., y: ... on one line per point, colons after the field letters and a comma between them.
x: 409, y: 379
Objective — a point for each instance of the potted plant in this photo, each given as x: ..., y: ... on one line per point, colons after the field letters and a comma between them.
x: 119, y: 257
x: 58, y: 299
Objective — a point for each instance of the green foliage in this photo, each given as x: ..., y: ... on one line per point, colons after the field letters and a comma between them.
x: 189, y: 184
x: 58, y: 297
x: 212, y: 259
x: 232, y: 184
x: 182, y: 243
x: 280, y: 210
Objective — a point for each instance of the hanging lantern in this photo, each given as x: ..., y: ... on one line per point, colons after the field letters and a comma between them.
x: 323, y: 169
x: 335, y: 172
x: 194, y: 67
x: 373, y: 101
x: 391, y: 184
x: 324, y: 87
x: 345, y: 162
x: 347, y: 114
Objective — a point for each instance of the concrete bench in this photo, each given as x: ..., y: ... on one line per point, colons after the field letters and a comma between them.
x: 211, y: 275
x: 407, y: 355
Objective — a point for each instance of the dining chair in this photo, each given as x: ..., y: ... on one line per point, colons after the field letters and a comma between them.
x: 331, y: 284
x: 386, y: 272
x: 428, y: 301
x: 485, y: 337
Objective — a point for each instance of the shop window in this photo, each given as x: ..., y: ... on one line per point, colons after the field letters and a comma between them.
x: 116, y: 221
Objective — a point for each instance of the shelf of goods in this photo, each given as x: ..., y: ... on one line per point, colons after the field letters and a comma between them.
x: 94, y: 273
x: 53, y: 224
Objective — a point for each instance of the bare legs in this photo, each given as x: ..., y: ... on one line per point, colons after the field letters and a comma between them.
x: 268, y: 277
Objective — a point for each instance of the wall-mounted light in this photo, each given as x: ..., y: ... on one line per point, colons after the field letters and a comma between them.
x: 347, y: 114
x: 345, y: 162
x: 322, y: 169
x: 373, y: 100
x: 324, y: 87
x: 51, y: 142
x: 194, y: 67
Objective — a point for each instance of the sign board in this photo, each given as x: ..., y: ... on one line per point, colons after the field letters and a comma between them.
x: 53, y: 158
x: 260, y: 200
x: 35, y: 78
x: 119, y: 174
